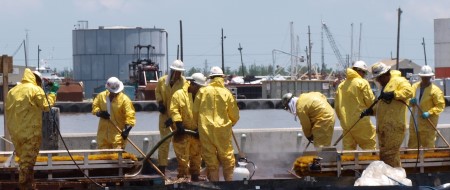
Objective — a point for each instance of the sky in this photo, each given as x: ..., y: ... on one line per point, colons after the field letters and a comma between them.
x: 260, y: 26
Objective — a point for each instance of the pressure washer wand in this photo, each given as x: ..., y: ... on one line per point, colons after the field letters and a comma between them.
x: 343, y: 134
x: 434, y: 127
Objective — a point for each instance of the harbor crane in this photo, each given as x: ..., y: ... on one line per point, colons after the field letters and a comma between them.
x: 341, y: 61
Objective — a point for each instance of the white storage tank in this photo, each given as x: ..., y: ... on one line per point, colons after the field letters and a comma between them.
x: 107, y: 51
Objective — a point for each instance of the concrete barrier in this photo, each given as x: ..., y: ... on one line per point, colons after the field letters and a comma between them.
x: 251, y: 141
x: 243, y: 104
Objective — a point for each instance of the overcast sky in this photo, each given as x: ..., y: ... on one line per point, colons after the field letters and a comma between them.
x: 260, y: 26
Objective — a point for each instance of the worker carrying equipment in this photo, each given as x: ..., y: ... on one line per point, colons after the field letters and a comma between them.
x: 113, y: 107
x: 430, y: 99
x: 186, y: 146
x: 390, y: 112
x: 167, y: 86
x: 23, y: 109
x: 215, y: 113
x: 316, y: 116
x: 353, y: 96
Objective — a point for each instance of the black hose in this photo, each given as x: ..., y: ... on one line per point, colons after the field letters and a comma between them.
x: 52, y: 119
x: 160, y: 142
x: 416, y: 129
x: 348, y: 131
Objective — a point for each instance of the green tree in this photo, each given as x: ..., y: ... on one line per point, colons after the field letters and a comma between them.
x: 193, y: 70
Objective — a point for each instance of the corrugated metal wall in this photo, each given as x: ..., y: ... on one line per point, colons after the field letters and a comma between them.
x: 102, y: 53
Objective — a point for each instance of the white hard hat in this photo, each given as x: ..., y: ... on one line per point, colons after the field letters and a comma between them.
x: 361, y: 65
x: 199, y: 78
x: 426, y: 71
x: 286, y: 99
x: 177, y: 65
x: 379, y: 68
x: 215, y: 71
x: 37, y: 73
x: 114, y: 85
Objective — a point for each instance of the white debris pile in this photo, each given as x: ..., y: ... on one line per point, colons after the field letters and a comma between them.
x: 380, y: 174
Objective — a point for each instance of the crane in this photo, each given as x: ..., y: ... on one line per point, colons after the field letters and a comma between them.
x: 341, y: 61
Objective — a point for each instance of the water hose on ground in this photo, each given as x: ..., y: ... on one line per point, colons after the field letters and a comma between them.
x: 139, y: 150
x: 160, y: 142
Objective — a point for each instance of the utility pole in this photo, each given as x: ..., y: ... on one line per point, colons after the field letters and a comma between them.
x: 359, y: 46
x: 351, y: 44
x: 39, y: 52
x: 25, y: 50
x: 398, y: 37
x: 293, y: 70
x: 424, y: 52
x: 181, y: 40
x: 309, y: 53
x: 322, y: 51
x: 242, y: 62
x: 223, y: 61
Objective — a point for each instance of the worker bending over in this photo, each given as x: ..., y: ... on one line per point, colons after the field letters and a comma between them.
x: 316, y: 116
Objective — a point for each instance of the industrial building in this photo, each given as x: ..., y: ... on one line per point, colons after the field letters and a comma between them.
x: 107, y: 51
x: 442, y: 47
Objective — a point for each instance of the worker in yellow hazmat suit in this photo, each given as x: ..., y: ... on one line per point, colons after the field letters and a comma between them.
x: 316, y: 116
x: 216, y: 112
x: 167, y: 85
x: 353, y: 96
x: 187, y: 147
x: 114, y: 108
x: 431, y: 100
x: 23, y: 109
x: 390, y: 112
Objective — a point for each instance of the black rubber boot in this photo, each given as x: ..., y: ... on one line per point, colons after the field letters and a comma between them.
x: 195, y: 177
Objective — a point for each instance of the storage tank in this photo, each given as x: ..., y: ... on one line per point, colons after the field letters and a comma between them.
x: 442, y: 47
x: 107, y: 51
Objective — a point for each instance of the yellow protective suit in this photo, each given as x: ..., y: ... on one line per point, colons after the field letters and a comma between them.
x: 391, y: 119
x: 23, y: 109
x: 186, y: 147
x: 432, y: 102
x: 121, y: 113
x: 353, y: 96
x: 316, y: 117
x: 163, y: 93
x: 216, y: 112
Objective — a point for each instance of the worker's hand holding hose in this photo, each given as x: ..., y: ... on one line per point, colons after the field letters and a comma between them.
x: 426, y: 115
x: 388, y: 96
x: 103, y: 114
x: 180, y: 128
x: 168, y: 122
x: 126, y: 131
x: 413, y: 101
x: 366, y: 112
x: 196, y: 135
x: 161, y: 108
x: 310, y: 138
x: 51, y: 87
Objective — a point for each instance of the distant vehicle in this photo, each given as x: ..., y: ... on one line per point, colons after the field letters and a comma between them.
x: 144, y: 73
x: 48, y: 73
